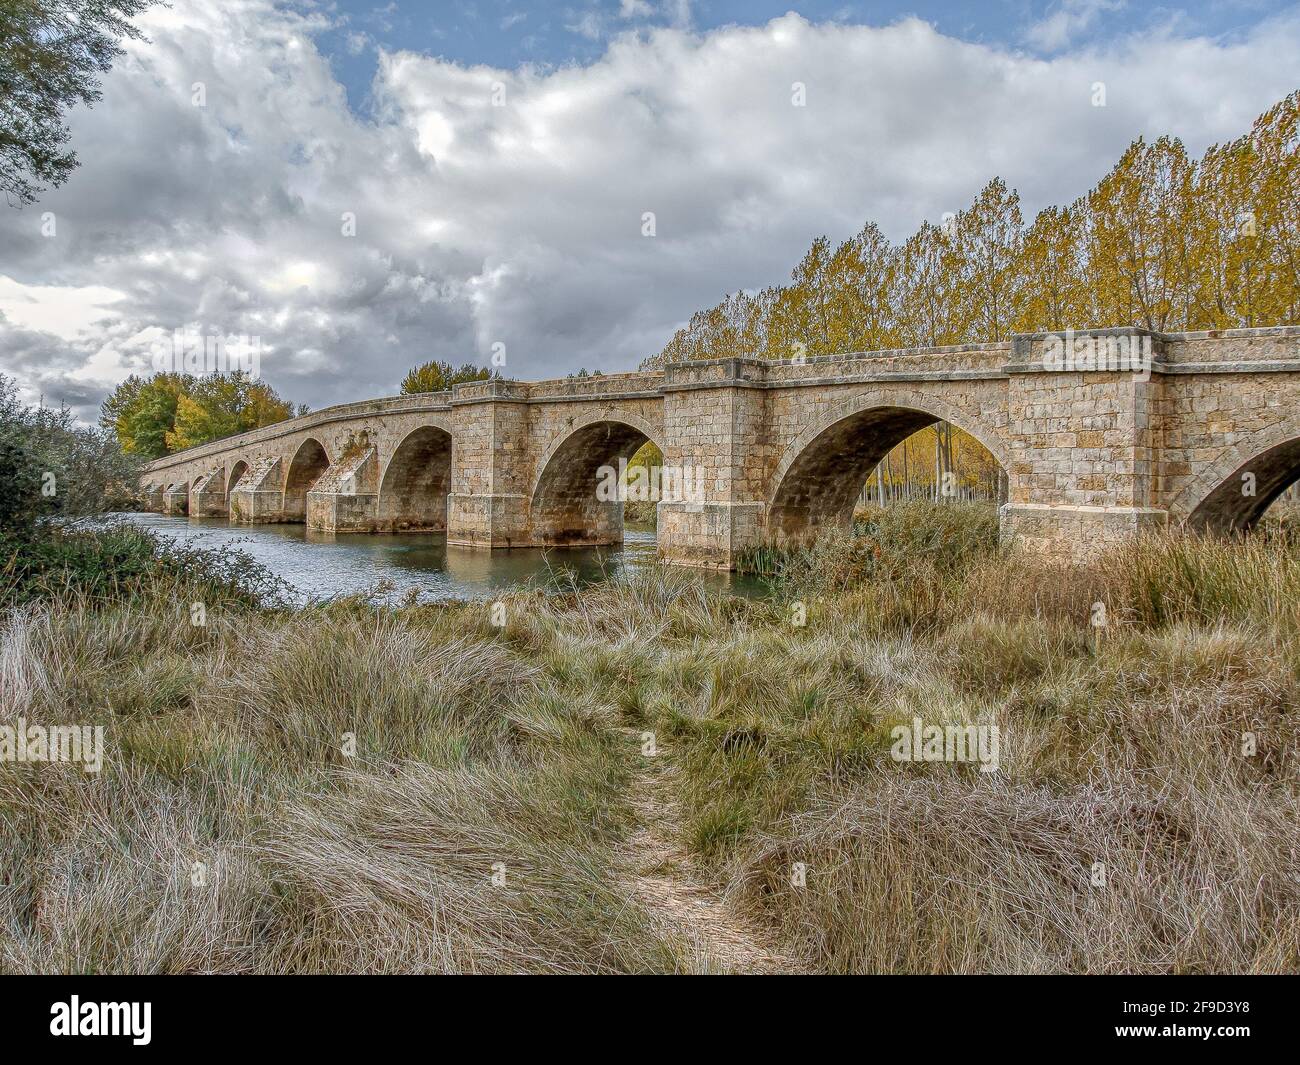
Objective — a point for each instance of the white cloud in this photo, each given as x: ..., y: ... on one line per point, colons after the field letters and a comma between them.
x: 64, y: 311
x: 1067, y: 21
x: 522, y: 223
x: 589, y: 24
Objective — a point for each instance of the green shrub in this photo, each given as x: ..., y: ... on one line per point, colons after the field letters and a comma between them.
x: 119, y: 562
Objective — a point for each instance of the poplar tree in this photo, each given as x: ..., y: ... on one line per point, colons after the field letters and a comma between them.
x: 989, y: 235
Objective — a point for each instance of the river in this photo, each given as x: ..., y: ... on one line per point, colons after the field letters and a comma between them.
x: 322, y: 565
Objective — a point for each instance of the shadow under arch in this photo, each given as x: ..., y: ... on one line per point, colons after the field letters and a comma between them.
x: 1238, y: 499
x: 308, y: 465
x: 822, y: 472
x: 566, y: 507
x: 416, y: 482
x: 236, y: 472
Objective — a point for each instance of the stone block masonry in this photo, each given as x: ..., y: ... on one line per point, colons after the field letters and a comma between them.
x: 1205, y: 433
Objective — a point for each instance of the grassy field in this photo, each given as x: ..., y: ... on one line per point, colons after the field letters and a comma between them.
x: 349, y: 788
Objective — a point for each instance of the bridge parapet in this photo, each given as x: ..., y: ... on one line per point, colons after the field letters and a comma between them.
x: 1234, y: 350
x: 567, y: 389
x: 342, y: 412
x: 957, y: 363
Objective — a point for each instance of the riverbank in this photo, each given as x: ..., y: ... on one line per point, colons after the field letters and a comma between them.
x: 643, y: 775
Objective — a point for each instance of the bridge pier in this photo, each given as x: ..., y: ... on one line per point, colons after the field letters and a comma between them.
x: 488, y: 505
x: 151, y: 498
x: 208, y: 495
x: 716, y: 443
x: 346, y: 498
x: 258, y: 497
x: 176, y: 500
x: 1083, y: 444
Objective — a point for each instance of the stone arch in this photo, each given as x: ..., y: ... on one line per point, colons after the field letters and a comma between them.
x: 821, y: 472
x: 1267, y: 464
x: 564, y: 504
x: 307, y: 466
x: 236, y: 472
x: 416, y: 482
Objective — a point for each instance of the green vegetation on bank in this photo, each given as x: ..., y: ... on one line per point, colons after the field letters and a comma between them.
x: 57, y: 479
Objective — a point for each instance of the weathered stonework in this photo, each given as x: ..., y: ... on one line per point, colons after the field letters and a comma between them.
x: 779, y: 449
x: 208, y: 495
x: 176, y: 499
x: 258, y: 496
x: 346, y: 497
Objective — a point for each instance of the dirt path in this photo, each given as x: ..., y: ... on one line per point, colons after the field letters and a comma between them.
x: 661, y: 877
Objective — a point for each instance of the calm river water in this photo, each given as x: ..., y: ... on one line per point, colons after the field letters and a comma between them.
x: 320, y: 565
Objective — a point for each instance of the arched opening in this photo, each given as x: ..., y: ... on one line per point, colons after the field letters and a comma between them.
x: 413, y: 495
x: 308, y: 466
x: 572, y: 501
x: 1240, y: 501
x: 878, y: 456
x: 240, y: 468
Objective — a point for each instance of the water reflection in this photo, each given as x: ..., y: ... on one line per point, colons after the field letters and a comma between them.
x: 318, y: 564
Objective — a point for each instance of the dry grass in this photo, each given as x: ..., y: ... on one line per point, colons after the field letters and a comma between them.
x: 225, y: 747
x: 1122, y: 752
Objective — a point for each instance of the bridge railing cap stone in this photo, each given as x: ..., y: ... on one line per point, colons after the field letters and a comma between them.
x: 383, y: 405
x: 475, y: 391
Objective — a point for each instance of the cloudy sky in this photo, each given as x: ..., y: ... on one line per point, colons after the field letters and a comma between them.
x: 498, y: 159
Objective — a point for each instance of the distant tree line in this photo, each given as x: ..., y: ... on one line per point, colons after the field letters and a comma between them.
x: 167, y: 412
x: 437, y: 376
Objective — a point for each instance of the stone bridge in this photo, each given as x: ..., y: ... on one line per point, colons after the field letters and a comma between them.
x: 1209, y: 436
